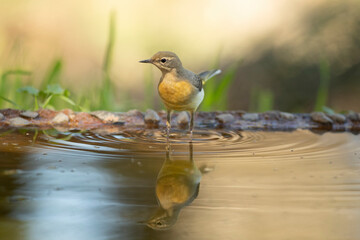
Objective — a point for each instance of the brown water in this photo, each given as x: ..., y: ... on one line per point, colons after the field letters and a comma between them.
x: 253, y: 185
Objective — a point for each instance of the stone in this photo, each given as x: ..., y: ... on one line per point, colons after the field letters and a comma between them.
x: 18, y: 122
x: 225, y: 118
x: 2, y: 117
x: 29, y: 114
x: 134, y: 117
x: 321, y: 117
x: 183, y: 119
x: 60, y: 118
x: 271, y: 115
x: 151, y: 117
x: 135, y: 113
x: 107, y: 117
x: 250, y: 116
x: 337, y: 117
x: 354, y: 116
x: 287, y: 116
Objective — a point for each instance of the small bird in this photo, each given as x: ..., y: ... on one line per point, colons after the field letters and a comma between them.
x: 179, y: 88
x: 177, y: 185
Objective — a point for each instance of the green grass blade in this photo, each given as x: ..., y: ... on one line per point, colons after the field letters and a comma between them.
x: 323, y: 91
x: 7, y: 90
x: 68, y: 100
x: 220, y: 96
x: 216, y: 90
x: 47, y: 101
x: 36, y: 103
x: 107, y: 89
x: 8, y: 100
x: 148, y: 89
x: 265, y: 101
x: 53, y: 75
x: 110, y: 45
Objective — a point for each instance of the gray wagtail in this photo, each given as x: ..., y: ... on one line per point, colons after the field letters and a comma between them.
x: 177, y: 185
x: 179, y: 88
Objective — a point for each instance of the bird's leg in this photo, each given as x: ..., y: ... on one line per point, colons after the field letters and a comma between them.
x: 191, y: 151
x: 192, y: 116
x: 168, y: 151
x: 168, y: 124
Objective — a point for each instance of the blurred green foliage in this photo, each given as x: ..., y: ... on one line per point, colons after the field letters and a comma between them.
x: 216, y: 90
x: 271, y: 80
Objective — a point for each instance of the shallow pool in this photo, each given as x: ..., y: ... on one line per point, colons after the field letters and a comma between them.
x: 110, y: 184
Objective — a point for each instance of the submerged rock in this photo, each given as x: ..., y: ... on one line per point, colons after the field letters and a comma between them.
x: 271, y: 115
x: 225, y: 118
x: 107, y: 117
x: 355, y: 117
x: 337, y: 117
x: 18, y: 122
x: 287, y: 116
x: 321, y: 117
x: 151, y: 117
x: 183, y: 119
x: 250, y: 116
x: 60, y: 118
x: 29, y: 114
x: 134, y: 117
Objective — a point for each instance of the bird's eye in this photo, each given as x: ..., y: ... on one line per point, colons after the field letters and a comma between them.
x: 163, y: 60
x: 159, y: 223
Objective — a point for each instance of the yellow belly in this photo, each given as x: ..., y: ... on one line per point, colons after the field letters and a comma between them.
x: 178, y: 95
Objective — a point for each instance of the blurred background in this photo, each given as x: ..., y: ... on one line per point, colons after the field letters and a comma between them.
x: 295, y: 56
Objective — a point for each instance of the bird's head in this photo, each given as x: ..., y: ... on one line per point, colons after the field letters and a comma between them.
x: 165, y: 61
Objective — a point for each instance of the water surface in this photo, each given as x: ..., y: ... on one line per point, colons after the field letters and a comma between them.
x: 240, y: 185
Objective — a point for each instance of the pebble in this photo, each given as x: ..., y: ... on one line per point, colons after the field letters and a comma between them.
x: 60, y: 118
x: 151, y: 117
x: 271, y: 115
x: 287, y: 116
x: 225, y: 118
x: 337, y: 117
x: 29, y: 114
x: 354, y: 116
x: 183, y: 119
x: 135, y: 117
x: 135, y: 112
x: 2, y: 117
x: 320, y: 117
x: 250, y: 116
x: 18, y: 122
x: 107, y: 117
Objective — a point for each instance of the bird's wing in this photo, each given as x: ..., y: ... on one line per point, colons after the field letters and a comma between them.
x: 208, y: 74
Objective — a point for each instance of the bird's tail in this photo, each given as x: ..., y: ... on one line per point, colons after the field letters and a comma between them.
x: 208, y: 74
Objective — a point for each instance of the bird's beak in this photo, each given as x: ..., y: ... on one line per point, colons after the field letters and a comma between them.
x: 146, y: 61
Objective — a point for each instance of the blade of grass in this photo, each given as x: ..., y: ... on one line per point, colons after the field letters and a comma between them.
x: 265, y: 100
x: 53, y: 75
x: 216, y: 91
x: 6, y: 89
x: 323, y: 91
x: 148, y: 89
x: 8, y: 100
x: 220, y: 96
x: 107, y: 89
x: 47, y: 101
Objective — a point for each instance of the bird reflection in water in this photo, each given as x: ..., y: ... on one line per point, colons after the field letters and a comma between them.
x: 177, y: 185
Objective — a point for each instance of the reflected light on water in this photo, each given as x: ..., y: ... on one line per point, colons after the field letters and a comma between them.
x: 254, y: 185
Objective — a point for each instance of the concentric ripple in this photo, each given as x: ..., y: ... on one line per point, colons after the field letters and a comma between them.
x: 98, y: 183
x: 222, y: 143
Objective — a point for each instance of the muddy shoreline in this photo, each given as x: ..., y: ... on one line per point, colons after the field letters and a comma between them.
x: 237, y: 120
